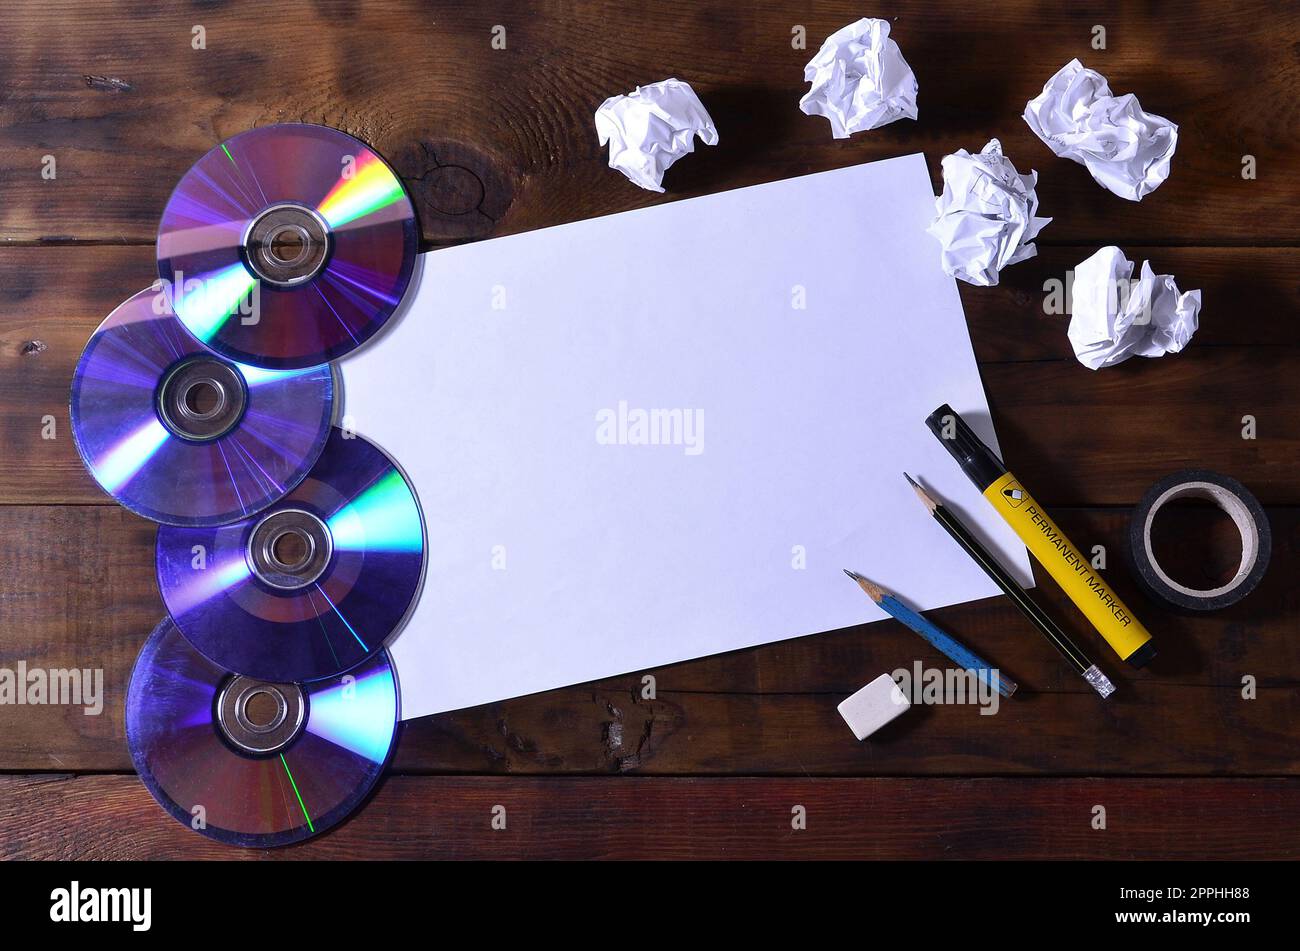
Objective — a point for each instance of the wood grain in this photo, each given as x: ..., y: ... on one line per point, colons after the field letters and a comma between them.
x: 499, y: 141
x: 88, y: 599
x: 112, y: 817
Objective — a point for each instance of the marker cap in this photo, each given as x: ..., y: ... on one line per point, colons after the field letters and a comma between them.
x: 1142, y: 656
x: 976, y: 459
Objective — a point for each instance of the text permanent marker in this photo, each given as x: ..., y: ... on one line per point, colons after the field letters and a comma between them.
x: 1045, y: 541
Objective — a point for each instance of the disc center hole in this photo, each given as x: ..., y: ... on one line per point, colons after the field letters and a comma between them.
x: 263, y: 710
x: 289, y: 244
x: 259, y: 717
x: 292, y: 548
x: 289, y: 549
x: 203, y: 399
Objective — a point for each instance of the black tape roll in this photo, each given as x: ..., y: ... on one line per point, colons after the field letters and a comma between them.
x: 1239, y: 504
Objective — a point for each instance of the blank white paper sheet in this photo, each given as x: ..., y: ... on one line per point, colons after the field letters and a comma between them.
x: 662, y: 434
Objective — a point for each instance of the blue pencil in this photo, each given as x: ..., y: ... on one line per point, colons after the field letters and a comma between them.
x: 957, y: 652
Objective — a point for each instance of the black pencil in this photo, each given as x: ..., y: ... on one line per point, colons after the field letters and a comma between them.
x: 1002, y: 578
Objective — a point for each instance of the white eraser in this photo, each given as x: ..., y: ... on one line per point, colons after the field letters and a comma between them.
x: 873, y: 706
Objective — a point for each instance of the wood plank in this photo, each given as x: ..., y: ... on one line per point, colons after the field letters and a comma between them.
x: 77, y: 591
x: 112, y: 817
x: 82, y: 594
x: 1076, y: 436
x: 496, y: 141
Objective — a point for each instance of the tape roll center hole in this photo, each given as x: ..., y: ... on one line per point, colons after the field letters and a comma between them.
x: 1196, y: 543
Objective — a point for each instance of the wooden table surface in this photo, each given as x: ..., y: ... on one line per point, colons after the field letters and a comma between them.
x: 492, y: 142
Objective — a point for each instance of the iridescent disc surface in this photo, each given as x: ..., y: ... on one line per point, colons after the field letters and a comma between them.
x: 200, y: 465
x: 287, y: 245
x: 174, y: 731
x: 349, y: 581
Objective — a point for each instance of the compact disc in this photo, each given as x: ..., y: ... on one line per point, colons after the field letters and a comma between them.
x: 309, y: 587
x: 287, y: 246
x: 182, y: 436
x: 251, y: 762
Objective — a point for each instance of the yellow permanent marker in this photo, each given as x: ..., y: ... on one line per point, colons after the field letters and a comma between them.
x: 1047, y: 543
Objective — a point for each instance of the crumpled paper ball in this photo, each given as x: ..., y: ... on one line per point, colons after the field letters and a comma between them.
x: 1126, y: 150
x: 859, y: 80
x: 986, y: 215
x: 651, y: 128
x: 1114, y: 317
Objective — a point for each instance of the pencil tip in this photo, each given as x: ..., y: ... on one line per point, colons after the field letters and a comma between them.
x: 874, y: 591
x: 923, y: 495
